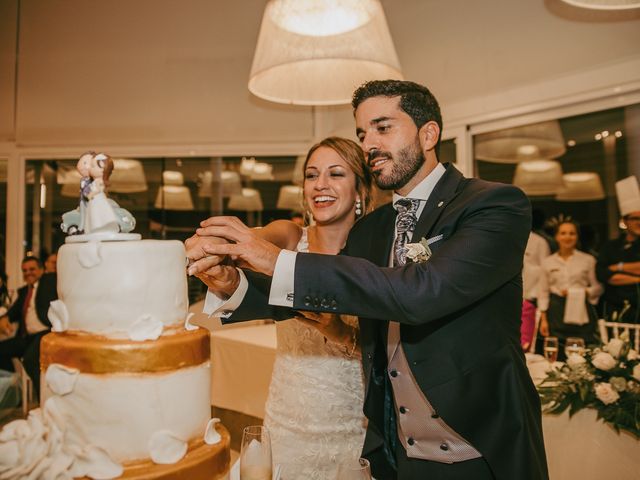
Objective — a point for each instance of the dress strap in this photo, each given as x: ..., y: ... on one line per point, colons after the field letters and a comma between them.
x: 303, y: 243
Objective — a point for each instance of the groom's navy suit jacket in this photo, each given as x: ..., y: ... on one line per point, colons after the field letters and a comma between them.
x: 459, y: 314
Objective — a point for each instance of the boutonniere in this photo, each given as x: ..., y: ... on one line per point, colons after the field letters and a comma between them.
x: 418, y: 252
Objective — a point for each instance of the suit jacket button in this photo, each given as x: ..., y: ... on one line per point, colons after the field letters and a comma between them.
x: 324, y: 303
x: 444, y: 446
x: 411, y: 441
x: 435, y: 415
x: 333, y: 304
x: 402, y: 410
x: 307, y: 301
x: 393, y: 373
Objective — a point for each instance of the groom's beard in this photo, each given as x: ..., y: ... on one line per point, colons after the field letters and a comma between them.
x: 405, y: 166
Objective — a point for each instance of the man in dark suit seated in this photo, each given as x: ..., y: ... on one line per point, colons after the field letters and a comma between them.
x: 436, y: 282
x: 27, y: 318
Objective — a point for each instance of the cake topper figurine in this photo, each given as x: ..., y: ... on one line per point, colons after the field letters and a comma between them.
x: 97, y: 216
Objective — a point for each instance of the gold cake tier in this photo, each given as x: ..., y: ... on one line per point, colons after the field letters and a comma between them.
x: 202, y: 462
x: 97, y: 354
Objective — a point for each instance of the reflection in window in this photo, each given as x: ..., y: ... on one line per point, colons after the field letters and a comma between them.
x: 167, y: 196
x: 3, y: 214
x: 567, y: 166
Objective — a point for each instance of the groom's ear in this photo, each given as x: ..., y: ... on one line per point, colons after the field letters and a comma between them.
x: 428, y: 135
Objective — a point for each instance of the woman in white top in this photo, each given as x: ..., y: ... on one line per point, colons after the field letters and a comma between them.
x: 314, y: 408
x: 568, y: 289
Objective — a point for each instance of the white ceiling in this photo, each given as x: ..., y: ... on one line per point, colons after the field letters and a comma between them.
x: 467, y: 48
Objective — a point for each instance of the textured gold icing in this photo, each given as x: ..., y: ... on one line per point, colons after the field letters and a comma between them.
x: 202, y: 462
x: 97, y: 354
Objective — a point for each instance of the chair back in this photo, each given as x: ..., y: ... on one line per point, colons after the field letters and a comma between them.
x: 615, y: 329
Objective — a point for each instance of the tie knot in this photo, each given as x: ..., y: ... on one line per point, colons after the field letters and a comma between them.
x: 409, y: 205
x: 406, y: 220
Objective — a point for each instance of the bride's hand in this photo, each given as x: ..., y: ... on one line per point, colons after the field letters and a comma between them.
x: 330, y: 325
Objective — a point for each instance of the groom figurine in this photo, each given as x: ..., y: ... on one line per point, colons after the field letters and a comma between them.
x: 436, y: 281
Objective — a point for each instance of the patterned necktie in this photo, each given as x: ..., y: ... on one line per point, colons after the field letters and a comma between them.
x: 405, y: 224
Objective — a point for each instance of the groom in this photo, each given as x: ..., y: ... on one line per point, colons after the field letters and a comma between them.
x: 448, y: 394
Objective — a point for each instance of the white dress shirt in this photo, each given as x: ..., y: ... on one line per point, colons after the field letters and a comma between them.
x: 281, y: 292
x: 32, y: 322
x: 537, y: 250
x: 558, y: 274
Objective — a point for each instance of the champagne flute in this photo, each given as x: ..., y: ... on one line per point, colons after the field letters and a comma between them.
x: 255, y: 454
x: 354, y: 470
x: 574, y: 345
x: 551, y: 349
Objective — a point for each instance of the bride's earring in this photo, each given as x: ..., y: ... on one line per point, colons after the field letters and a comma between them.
x: 307, y: 216
x: 358, y: 207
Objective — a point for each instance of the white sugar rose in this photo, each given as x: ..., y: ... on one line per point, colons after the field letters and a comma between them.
x: 603, y: 361
x: 606, y: 394
x: 574, y: 360
x: 614, y: 347
x: 636, y: 372
x: 633, y: 355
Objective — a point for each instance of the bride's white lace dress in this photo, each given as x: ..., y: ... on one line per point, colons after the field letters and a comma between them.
x: 314, y: 408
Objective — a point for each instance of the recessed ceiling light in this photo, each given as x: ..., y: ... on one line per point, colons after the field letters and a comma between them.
x: 618, y: 134
x: 605, y: 133
x: 598, y: 136
x: 571, y: 143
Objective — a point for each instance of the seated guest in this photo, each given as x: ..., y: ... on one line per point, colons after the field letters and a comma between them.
x: 50, y: 264
x: 29, y: 316
x: 618, y: 266
x: 568, y: 289
x: 5, y: 296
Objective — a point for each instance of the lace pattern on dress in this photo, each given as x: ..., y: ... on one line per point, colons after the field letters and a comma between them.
x: 314, y: 408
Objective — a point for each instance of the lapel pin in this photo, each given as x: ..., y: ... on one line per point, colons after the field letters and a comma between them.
x: 440, y: 203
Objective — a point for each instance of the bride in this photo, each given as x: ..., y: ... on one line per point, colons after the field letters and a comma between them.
x: 314, y: 407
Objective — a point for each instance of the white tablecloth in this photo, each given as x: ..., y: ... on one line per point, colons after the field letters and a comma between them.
x: 241, y: 365
x: 584, y: 448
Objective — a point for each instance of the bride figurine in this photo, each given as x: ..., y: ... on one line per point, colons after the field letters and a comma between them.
x: 99, y: 215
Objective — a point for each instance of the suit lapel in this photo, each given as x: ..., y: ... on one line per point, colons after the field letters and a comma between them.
x: 383, y: 237
x: 443, y: 193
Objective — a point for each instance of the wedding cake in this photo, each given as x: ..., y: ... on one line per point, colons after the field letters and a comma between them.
x: 125, y: 377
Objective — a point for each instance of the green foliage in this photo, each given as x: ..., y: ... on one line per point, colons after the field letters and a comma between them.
x: 613, y: 389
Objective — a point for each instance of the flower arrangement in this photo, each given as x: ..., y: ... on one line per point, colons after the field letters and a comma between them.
x: 606, y: 379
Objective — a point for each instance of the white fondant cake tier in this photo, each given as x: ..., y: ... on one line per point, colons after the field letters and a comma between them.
x: 121, y: 413
x: 106, y: 287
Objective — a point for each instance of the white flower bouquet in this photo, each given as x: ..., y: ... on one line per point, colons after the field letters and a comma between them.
x: 605, y: 378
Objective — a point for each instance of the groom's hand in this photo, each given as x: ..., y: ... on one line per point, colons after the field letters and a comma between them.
x: 248, y: 250
x: 198, y: 260
x: 221, y: 279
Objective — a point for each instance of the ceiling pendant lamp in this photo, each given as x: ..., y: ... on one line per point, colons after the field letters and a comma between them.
x: 581, y: 187
x: 539, y: 177
x: 605, y: 4
x: 317, y: 52
x: 518, y: 144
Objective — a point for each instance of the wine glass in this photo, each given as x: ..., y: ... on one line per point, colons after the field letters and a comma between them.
x: 551, y: 349
x: 354, y: 470
x: 574, y: 345
x: 255, y: 454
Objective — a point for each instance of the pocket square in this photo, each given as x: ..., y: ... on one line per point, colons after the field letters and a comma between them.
x: 435, y: 239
